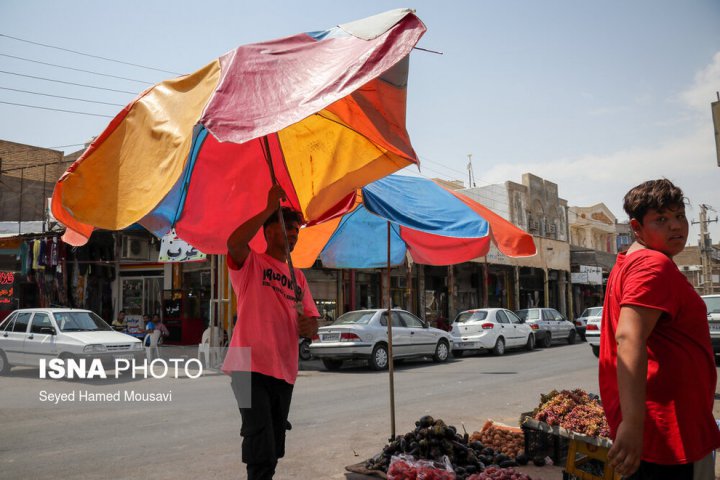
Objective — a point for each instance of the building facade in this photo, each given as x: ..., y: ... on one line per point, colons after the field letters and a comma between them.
x: 593, y: 248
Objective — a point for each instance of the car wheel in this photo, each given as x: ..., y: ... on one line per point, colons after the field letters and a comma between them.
x: 442, y: 351
x: 379, y: 357
x: 304, y: 349
x: 547, y: 341
x: 4, y: 365
x: 332, y: 364
x: 572, y: 337
x: 457, y: 353
x: 499, y: 348
x: 596, y: 350
x: 530, y: 345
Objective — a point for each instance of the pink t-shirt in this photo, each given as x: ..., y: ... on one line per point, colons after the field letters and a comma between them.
x: 266, y: 317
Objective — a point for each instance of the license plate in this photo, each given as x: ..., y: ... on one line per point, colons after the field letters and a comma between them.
x: 331, y: 337
x: 715, y: 327
x: 124, y: 357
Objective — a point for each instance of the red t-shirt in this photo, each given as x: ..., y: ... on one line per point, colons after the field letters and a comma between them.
x: 266, y: 317
x: 681, y: 377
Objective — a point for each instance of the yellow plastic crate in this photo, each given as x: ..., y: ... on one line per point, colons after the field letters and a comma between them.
x: 580, y: 455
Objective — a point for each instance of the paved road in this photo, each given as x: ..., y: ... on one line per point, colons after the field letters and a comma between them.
x: 339, y: 418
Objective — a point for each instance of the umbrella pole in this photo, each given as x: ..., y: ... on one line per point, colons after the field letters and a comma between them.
x: 296, y: 289
x: 391, y: 369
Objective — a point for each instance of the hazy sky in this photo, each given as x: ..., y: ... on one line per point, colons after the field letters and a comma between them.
x: 594, y: 96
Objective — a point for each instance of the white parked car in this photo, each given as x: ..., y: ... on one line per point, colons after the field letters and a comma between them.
x: 494, y: 329
x: 592, y: 331
x: 27, y: 335
x: 582, y: 320
x: 713, y: 312
x: 362, y: 334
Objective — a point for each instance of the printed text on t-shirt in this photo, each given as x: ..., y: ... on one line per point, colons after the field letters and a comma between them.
x: 278, y: 282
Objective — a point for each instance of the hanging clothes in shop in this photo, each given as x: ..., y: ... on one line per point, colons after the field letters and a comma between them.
x: 36, y: 254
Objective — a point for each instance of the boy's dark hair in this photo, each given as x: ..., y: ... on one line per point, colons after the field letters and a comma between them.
x: 654, y: 194
x: 289, y: 215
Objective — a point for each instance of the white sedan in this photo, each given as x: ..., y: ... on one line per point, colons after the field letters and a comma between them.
x: 362, y: 334
x: 31, y: 334
x: 494, y: 329
x: 592, y: 332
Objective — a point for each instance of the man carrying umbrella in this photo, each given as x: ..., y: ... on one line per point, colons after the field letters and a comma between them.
x: 272, y: 311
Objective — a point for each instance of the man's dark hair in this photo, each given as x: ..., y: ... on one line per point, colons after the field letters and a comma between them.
x: 654, y: 194
x: 289, y: 215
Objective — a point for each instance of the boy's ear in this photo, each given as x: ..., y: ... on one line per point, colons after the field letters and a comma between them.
x: 635, y: 225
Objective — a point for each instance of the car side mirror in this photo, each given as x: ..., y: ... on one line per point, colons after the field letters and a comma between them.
x: 522, y: 321
x: 48, y: 330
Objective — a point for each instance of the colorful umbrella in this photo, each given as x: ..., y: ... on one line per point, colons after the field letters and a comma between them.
x: 435, y: 225
x: 326, y: 109
x: 397, y: 215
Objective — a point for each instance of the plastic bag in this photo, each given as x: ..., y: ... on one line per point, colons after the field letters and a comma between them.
x: 406, y: 467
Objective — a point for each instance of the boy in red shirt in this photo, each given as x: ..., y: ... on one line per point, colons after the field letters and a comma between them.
x: 263, y: 356
x: 657, y: 368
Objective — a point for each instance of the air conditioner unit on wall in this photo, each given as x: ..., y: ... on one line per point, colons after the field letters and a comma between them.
x: 135, y: 248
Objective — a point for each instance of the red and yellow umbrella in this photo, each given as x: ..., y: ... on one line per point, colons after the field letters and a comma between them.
x: 326, y: 109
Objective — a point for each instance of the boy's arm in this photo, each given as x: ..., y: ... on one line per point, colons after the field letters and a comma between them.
x: 634, y: 327
x: 238, y: 241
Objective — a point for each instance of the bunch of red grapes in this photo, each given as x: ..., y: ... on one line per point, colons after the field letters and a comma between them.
x: 573, y: 410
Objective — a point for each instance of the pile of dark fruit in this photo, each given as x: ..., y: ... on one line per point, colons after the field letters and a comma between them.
x: 492, y: 473
x: 432, y: 439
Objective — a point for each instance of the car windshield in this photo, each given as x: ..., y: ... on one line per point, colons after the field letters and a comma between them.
x: 471, y: 316
x: 592, y: 312
x: 532, y: 314
x: 80, y: 322
x: 713, y: 304
x: 360, y: 318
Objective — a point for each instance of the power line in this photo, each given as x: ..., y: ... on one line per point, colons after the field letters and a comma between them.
x: 75, y: 69
x: 426, y: 159
x: 60, y: 96
x: 56, y: 109
x: 67, y: 83
x: 87, y: 54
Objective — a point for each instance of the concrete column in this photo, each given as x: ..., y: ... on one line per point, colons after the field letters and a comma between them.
x: 420, y: 269
x: 516, y: 274
x: 562, y: 293
x: 340, y: 290
x: 485, y: 284
x: 546, y: 289
x: 409, y: 287
x: 571, y: 307
x: 452, y: 292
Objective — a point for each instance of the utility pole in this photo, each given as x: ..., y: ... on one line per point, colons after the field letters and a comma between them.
x: 471, y: 174
x: 706, y: 248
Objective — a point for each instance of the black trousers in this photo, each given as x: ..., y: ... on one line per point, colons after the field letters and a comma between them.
x: 654, y: 471
x: 264, y: 411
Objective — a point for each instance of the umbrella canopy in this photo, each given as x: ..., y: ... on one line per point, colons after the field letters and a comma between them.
x: 326, y: 109
x: 436, y: 226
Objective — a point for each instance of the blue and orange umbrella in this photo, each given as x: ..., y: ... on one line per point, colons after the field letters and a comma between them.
x: 434, y: 225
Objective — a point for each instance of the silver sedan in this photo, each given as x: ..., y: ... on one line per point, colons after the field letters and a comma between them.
x: 362, y: 334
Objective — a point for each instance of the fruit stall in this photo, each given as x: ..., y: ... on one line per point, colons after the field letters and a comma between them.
x: 567, y: 429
